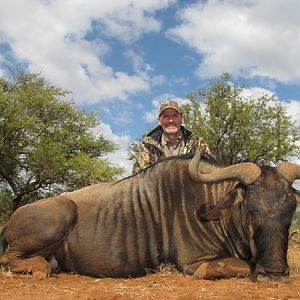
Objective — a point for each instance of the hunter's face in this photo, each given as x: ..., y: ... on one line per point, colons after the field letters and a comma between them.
x: 170, y: 120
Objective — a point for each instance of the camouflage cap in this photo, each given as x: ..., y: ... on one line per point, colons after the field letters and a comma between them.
x: 170, y: 104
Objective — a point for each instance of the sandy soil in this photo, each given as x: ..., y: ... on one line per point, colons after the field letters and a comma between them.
x: 155, y: 286
x: 163, y: 285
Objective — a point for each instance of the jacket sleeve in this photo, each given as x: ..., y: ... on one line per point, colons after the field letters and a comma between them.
x: 143, y: 160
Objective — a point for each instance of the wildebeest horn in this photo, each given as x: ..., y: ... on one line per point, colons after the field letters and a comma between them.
x: 289, y: 171
x: 201, y: 171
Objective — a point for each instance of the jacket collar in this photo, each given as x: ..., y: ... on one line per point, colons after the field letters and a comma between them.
x: 157, y: 132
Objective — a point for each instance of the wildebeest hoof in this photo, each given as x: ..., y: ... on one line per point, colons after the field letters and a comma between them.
x: 201, y: 271
x: 37, y: 266
x: 210, y: 270
x: 272, y: 279
x: 39, y: 275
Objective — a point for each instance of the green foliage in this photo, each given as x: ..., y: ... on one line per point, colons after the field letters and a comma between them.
x: 241, y: 128
x: 133, y: 152
x: 296, y: 221
x: 5, y: 205
x: 46, y: 145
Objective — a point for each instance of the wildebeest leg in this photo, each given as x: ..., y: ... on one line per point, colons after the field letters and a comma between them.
x: 37, y: 265
x: 223, y: 268
x: 35, y: 231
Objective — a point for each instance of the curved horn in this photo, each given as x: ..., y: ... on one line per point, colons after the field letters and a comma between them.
x: 289, y: 171
x: 204, y: 172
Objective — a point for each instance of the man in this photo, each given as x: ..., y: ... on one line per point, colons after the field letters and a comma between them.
x: 169, y: 138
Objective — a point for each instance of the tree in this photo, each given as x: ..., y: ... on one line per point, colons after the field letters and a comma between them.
x: 5, y: 206
x: 241, y: 128
x: 46, y: 145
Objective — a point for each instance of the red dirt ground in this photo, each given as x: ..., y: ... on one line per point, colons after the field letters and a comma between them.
x: 163, y: 285
x: 155, y: 286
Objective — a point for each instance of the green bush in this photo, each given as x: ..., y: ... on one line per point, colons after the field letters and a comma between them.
x: 5, y: 206
x: 296, y: 221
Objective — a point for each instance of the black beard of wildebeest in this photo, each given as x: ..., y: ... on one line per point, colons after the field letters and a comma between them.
x: 210, y: 221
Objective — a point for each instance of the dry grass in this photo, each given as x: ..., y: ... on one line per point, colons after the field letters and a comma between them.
x: 164, y: 269
x: 5, y: 271
x: 294, y: 256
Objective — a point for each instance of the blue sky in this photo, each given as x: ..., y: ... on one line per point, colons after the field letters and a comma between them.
x: 122, y: 58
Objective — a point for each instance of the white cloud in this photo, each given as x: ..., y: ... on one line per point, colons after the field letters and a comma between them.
x: 249, y: 38
x: 151, y: 116
x: 128, y: 20
x: 2, y: 59
x: 158, y: 80
x: 118, y: 158
x: 143, y: 69
x: 139, y: 65
x: 51, y: 37
x: 181, y: 81
x: 293, y: 109
x: 255, y: 92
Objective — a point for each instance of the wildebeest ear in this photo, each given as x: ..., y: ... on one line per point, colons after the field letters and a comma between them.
x: 215, y: 213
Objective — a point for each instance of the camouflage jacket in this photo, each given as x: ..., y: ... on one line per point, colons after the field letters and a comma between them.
x: 151, y: 150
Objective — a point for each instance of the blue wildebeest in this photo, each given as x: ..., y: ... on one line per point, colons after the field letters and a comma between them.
x: 211, y: 222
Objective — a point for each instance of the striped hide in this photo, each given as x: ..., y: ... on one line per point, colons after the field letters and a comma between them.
x: 211, y: 222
